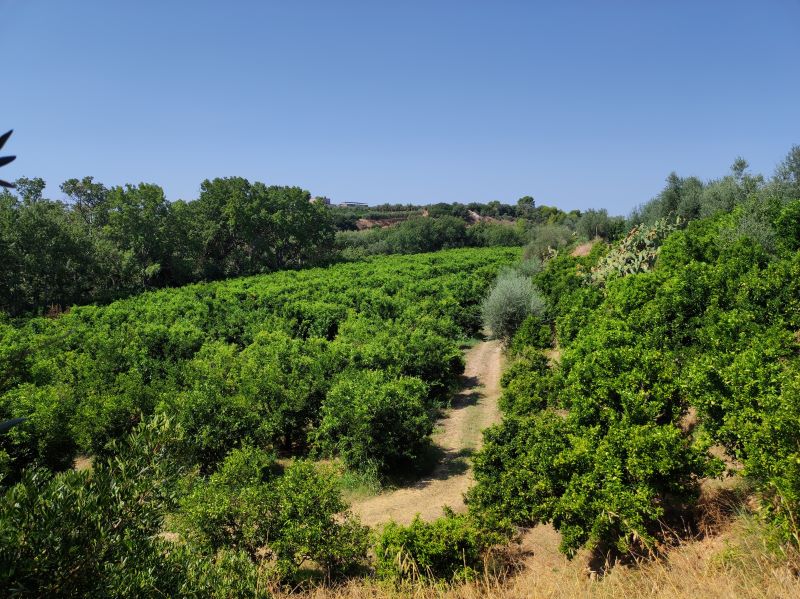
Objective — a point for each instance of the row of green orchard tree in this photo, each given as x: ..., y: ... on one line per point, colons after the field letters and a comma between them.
x: 97, y: 244
x: 695, y: 315
x: 143, y: 522
x: 352, y: 360
x: 103, y: 243
x: 608, y: 354
x: 208, y: 413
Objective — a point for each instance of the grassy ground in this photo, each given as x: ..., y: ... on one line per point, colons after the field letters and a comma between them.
x: 733, y: 556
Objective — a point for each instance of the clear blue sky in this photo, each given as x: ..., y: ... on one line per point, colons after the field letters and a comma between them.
x: 584, y: 104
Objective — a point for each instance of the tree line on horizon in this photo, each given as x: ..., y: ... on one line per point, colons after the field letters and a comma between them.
x: 105, y: 243
x: 100, y: 244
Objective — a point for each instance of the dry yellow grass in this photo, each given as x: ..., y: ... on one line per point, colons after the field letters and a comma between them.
x: 584, y: 249
x: 709, y: 569
x: 734, y: 560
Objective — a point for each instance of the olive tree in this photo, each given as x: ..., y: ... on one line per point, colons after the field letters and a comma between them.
x: 512, y: 299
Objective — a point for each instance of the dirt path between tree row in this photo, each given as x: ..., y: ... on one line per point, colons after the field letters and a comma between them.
x: 457, y: 436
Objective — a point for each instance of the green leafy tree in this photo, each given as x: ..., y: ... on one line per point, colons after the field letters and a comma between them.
x: 67, y: 534
x: 375, y: 422
x: 546, y: 239
x: 787, y: 174
x: 248, y: 228
x: 291, y: 518
x: 510, y: 302
x: 88, y: 199
x: 598, y: 487
x: 597, y: 223
x: 453, y: 547
x: 787, y: 225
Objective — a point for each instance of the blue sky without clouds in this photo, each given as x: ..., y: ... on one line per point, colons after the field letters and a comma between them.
x: 579, y: 104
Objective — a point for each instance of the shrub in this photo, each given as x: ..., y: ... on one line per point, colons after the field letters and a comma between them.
x: 224, y: 510
x: 315, y: 319
x: 563, y: 277
x: 528, y: 385
x: 547, y: 239
x: 489, y: 234
x: 750, y: 402
x: 284, y: 380
x: 313, y: 523
x: 512, y: 299
x: 530, y: 266
x: 533, y: 332
x: 788, y: 225
x: 595, y: 487
x: 288, y: 519
x: 451, y: 547
x: 403, y: 349
x: 636, y: 253
x: 374, y: 422
x: 46, y: 433
x: 214, y: 415
x: 68, y: 534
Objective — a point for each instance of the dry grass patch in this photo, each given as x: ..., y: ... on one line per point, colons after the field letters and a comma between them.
x: 584, y: 249
x: 735, y: 564
x: 725, y: 553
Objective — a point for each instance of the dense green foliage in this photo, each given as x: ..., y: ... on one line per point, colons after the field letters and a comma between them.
x: 248, y: 360
x: 442, y: 226
x: 186, y: 398
x: 427, y: 234
x: 351, y: 361
x: 99, y: 244
x: 689, y: 198
x: 376, y: 423
x: 110, y: 243
x: 451, y: 547
x: 285, y: 520
x: 597, y: 443
x: 546, y: 240
x: 95, y: 533
x: 512, y: 300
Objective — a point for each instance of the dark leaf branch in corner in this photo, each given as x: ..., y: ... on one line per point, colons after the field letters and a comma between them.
x: 4, y: 160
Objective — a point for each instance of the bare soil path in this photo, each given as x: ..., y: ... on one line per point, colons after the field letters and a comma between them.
x: 457, y: 437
